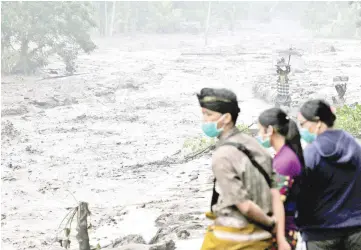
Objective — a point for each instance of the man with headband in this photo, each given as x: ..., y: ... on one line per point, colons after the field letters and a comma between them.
x: 243, y: 196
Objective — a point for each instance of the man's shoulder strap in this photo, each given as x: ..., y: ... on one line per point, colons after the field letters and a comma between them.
x: 248, y: 153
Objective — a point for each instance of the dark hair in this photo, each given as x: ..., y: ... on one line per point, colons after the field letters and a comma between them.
x: 318, y: 110
x: 219, y: 100
x: 284, y: 126
x: 234, y: 117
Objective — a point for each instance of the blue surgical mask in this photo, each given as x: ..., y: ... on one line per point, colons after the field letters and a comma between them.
x: 264, y: 142
x: 210, y: 128
x: 307, y: 136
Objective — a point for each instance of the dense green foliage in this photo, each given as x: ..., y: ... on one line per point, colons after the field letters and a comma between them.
x: 323, y: 18
x: 32, y: 31
x: 160, y: 16
x: 333, y: 19
x: 349, y: 119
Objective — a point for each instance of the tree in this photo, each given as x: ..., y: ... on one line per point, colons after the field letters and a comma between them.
x: 165, y: 16
x: 207, y: 23
x: 32, y: 31
x: 335, y: 19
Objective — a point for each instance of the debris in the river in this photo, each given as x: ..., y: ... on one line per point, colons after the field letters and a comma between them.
x: 8, y: 130
x: 32, y: 150
x: 201, y: 54
x: 82, y: 227
x: 162, y: 219
x: 8, y: 178
x: 129, y: 239
x: 168, y: 245
x: 183, y: 234
x: 65, y: 243
x: 82, y: 212
x: 14, y: 111
x: 341, y: 87
x: 194, y: 175
x: 62, y: 76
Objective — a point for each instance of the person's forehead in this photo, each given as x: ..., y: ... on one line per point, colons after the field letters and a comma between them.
x: 210, y: 112
x: 207, y: 110
x: 300, y: 117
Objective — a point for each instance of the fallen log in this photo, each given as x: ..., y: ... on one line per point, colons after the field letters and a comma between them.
x: 202, y: 54
x: 63, y: 76
x: 215, y: 54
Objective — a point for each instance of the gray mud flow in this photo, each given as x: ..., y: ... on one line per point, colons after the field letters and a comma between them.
x: 91, y: 135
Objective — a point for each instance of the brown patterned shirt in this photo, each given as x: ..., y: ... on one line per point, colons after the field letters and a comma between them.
x: 238, y: 180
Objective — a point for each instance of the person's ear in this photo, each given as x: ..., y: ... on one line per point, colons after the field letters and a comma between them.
x: 333, y: 110
x: 270, y: 130
x: 227, y: 118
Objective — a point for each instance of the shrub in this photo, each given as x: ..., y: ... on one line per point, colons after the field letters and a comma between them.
x: 197, y: 144
x: 349, y: 119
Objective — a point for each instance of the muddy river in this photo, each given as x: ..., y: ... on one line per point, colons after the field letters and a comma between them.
x: 104, y: 136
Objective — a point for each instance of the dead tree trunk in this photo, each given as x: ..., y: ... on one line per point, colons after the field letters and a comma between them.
x: 106, y: 18
x: 128, y: 9
x: 112, y: 19
x: 22, y: 65
x: 82, y: 227
x: 207, y: 24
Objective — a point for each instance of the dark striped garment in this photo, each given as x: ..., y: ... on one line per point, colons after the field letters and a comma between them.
x: 283, y: 88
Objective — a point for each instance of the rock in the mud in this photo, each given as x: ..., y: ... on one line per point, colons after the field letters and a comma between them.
x: 168, y: 245
x: 14, y: 111
x: 50, y: 103
x: 13, y: 167
x: 159, y: 236
x: 132, y: 238
x: 162, y: 219
x: 183, y: 234
x: 130, y: 84
x: 8, y: 130
x: 8, y: 178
